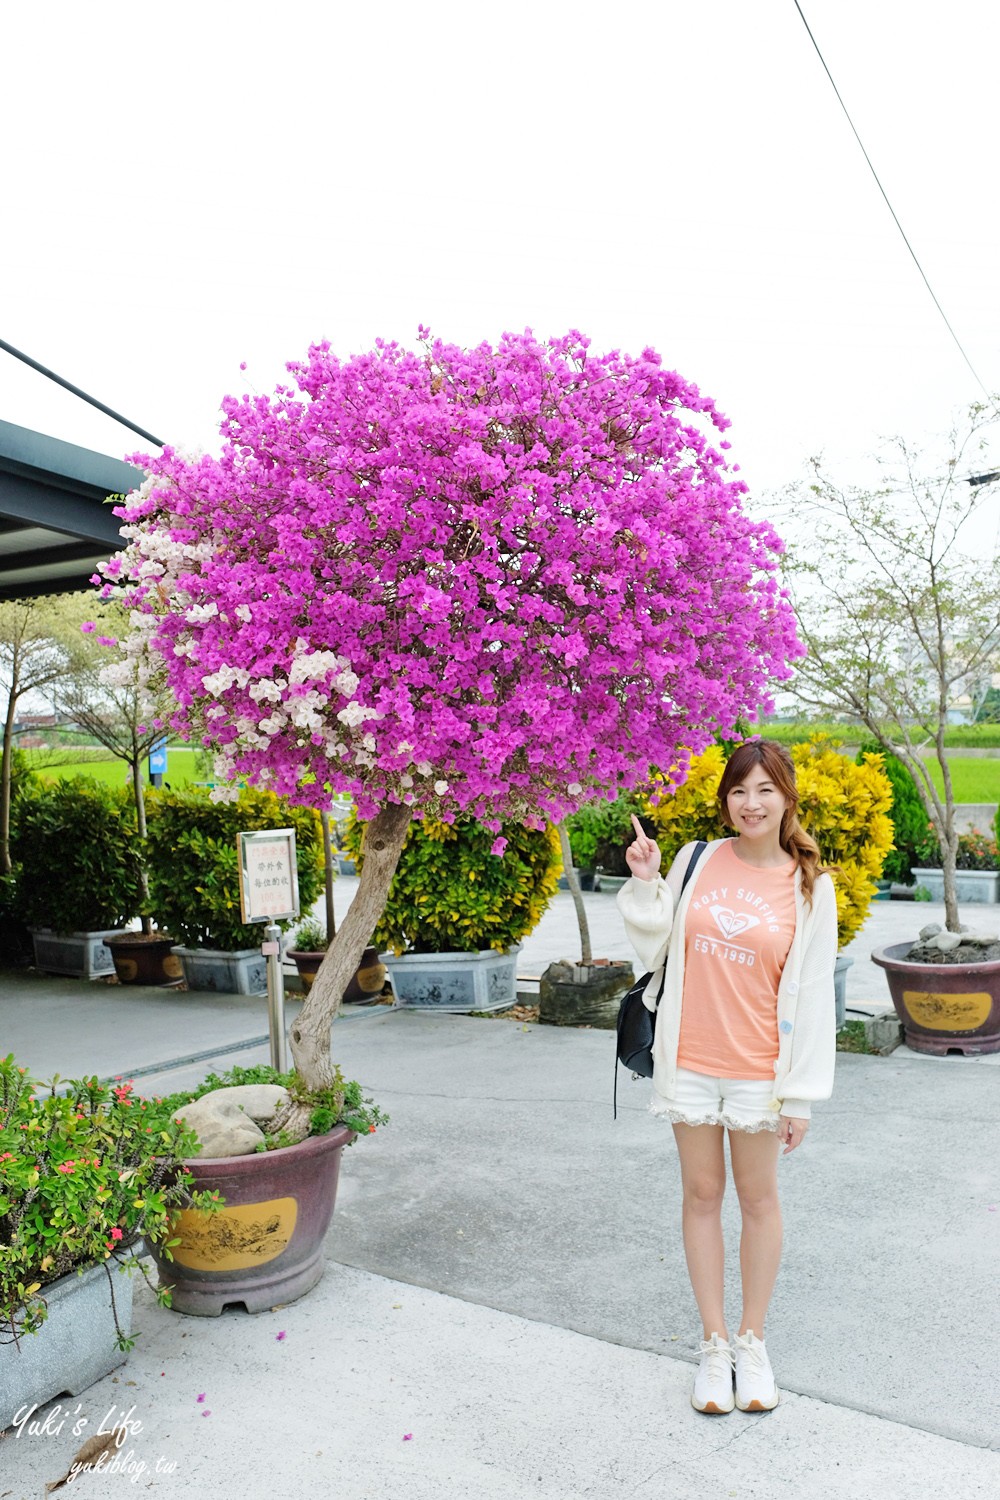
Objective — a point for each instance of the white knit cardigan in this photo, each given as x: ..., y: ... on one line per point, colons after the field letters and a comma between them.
x: 655, y: 912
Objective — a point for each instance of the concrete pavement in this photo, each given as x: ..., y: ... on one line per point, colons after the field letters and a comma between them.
x: 506, y: 1279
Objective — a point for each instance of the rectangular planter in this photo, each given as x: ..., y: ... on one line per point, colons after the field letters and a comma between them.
x: 454, y: 983
x: 240, y: 973
x: 970, y: 885
x: 75, y: 1345
x: 82, y: 955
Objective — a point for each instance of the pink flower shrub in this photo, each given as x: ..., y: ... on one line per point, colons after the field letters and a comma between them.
x: 486, y: 581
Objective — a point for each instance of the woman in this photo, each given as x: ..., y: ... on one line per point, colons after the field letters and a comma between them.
x: 744, y: 1037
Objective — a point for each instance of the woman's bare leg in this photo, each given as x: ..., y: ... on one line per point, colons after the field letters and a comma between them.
x: 755, y: 1162
x: 703, y: 1175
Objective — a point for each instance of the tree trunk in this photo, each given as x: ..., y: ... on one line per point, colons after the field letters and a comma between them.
x: 309, y: 1037
x: 5, y: 769
x: 949, y: 853
x: 573, y: 882
x: 135, y: 766
x: 331, y: 917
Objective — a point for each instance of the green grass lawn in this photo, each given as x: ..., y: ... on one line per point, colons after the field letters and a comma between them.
x: 973, y: 780
x: 181, y: 767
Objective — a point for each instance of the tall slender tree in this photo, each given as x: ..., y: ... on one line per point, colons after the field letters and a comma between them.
x: 898, y: 602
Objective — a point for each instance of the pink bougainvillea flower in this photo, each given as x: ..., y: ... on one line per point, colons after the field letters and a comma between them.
x: 281, y: 1335
x: 545, y: 536
x: 407, y: 1437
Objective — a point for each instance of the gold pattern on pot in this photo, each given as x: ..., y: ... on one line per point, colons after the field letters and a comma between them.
x: 247, y: 1234
x: 948, y: 1012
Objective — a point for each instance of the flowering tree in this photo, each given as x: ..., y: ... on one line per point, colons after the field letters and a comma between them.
x: 485, y: 581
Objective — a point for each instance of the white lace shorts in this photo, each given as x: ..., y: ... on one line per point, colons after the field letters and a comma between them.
x: 738, y: 1103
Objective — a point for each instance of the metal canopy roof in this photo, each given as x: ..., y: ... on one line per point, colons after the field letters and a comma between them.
x: 54, y: 523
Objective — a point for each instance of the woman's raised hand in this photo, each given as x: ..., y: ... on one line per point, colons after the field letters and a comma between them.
x: 642, y: 856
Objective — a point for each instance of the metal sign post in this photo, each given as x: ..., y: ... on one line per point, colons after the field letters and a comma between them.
x: 269, y: 893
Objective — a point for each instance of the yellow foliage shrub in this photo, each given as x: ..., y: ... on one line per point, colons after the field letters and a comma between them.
x: 843, y: 805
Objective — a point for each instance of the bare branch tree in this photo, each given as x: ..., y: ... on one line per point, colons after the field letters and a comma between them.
x: 899, y: 618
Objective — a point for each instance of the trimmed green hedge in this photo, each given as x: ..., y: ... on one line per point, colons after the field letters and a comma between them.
x: 451, y: 895
x: 194, y: 882
x: 74, y: 845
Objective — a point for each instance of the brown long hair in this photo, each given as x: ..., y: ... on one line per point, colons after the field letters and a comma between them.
x: 779, y: 767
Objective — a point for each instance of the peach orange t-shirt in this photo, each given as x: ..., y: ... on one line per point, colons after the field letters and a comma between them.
x: 739, y: 928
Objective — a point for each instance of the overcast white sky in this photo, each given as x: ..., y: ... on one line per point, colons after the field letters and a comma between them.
x: 193, y: 185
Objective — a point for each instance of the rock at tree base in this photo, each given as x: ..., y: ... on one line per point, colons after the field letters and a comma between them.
x: 566, y: 999
x: 224, y: 1121
x: 930, y: 931
x: 967, y: 950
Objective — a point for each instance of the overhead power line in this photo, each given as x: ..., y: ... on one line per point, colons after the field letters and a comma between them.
x: 51, y: 375
x: 885, y: 195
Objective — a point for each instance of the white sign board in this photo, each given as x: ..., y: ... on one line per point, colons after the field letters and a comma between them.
x: 269, y: 884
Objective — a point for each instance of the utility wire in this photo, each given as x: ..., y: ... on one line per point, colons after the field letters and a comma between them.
x: 50, y: 375
x: 913, y: 253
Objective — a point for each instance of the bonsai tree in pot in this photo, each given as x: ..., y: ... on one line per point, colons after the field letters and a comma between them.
x: 88, y: 1174
x: 455, y: 913
x: 490, y: 582
x: 901, y: 624
x: 78, y: 881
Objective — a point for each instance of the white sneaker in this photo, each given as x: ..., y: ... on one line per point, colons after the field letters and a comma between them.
x: 755, y: 1387
x: 713, y: 1384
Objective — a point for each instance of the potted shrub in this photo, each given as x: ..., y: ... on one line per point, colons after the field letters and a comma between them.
x: 977, y: 867
x: 194, y: 879
x: 404, y: 598
x: 78, y: 880
x: 455, y: 914
x: 265, y: 1245
x: 89, y: 1174
x: 843, y: 805
x: 15, y: 940
x: 308, y: 951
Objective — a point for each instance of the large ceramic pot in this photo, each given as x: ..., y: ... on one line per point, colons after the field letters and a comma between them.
x: 241, y: 973
x: 82, y: 955
x: 75, y: 1346
x: 142, y: 958
x: 366, y: 985
x: 570, y: 995
x: 970, y: 885
x: 944, y: 1007
x: 266, y: 1245
x: 455, y: 983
